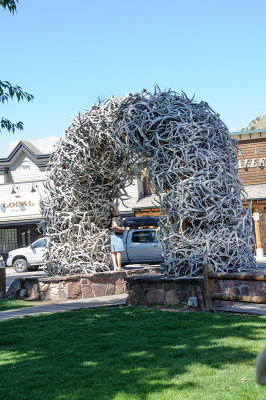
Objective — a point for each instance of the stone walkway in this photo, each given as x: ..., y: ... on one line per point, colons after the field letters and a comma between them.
x: 70, y: 305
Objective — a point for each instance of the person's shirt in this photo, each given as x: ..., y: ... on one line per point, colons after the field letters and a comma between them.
x: 115, y: 221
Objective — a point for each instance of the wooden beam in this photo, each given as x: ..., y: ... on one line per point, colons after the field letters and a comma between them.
x: 238, y: 297
x: 237, y: 276
x: 257, y: 229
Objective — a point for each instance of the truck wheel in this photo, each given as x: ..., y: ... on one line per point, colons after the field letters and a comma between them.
x: 20, y: 265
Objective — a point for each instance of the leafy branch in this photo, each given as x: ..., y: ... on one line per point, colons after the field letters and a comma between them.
x: 9, y: 126
x: 7, y: 91
x: 10, y: 4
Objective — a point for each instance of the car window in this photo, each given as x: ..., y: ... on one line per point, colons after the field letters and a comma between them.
x: 154, y: 236
x: 39, y: 243
x: 141, y: 237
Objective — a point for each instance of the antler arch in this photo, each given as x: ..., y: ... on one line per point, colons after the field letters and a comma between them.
x: 191, y: 163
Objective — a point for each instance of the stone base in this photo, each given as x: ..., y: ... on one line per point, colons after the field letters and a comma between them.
x: 165, y: 291
x: 144, y: 286
x: 79, y: 286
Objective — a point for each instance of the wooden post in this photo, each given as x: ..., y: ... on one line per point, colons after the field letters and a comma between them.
x: 208, y: 288
x: 259, y: 249
x: 2, y: 282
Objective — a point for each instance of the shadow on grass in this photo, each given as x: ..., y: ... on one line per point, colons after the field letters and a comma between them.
x: 127, y: 352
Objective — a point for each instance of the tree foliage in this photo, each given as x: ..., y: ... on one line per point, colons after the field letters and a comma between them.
x: 7, y: 91
x: 10, y: 4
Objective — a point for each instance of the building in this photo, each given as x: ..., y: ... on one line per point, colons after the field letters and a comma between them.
x: 22, y: 175
x: 252, y: 172
x: 141, y: 201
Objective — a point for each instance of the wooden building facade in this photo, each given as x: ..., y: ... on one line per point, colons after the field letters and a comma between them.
x: 252, y: 172
x: 22, y: 175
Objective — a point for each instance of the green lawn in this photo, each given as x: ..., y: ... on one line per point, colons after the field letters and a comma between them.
x: 131, y: 353
x: 14, y: 304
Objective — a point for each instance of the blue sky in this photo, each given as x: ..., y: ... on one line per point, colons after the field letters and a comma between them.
x: 68, y: 53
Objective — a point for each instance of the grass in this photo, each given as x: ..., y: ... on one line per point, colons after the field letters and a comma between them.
x: 131, y: 354
x: 6, y: 305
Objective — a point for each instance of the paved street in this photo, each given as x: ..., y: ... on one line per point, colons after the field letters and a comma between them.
x: 11, y: 275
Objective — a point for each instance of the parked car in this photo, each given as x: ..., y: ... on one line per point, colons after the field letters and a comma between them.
x: 141, y: 246
x: 27, y: 258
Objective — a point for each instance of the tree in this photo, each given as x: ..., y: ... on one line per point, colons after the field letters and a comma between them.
x: 7, y: 91
x: 10, y: 4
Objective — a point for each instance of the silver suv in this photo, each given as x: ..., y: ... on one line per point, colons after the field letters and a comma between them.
x: 27, y: 258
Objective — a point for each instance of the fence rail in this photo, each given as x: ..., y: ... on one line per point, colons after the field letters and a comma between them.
x: 209, y: 286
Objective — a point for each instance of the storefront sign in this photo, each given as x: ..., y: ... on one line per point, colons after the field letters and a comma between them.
x: 19, y: 207
x: 18, y: 204
x: 252, y: 163
x: 256, y: 216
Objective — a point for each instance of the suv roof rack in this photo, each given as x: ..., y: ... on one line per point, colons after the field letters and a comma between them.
x: 136, y: 222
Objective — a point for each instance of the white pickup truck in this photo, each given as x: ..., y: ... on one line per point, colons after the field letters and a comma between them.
x: 27, y: 258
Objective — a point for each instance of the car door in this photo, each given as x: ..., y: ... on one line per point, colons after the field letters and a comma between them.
x: 140, y: 246
x: 156, y: 247
x: 35, y: 252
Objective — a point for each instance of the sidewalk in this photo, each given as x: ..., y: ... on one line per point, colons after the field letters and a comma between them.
x: 261, y: 262
x: 70, y: 305
x: 244, y: 308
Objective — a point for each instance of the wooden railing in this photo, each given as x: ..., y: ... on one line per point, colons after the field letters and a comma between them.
x: 209, y: 287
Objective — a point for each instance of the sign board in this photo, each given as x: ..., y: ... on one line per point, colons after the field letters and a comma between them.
x: 256, y: 216
x: 19, y: 207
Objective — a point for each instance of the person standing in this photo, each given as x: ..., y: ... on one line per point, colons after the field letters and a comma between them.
x: 117, y: 245
x: 261, y: 368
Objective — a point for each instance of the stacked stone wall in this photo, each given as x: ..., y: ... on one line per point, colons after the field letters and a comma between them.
x: 246, y: 288
x: 145, y: 287
x: 79, y: 286
x: 165, y: 291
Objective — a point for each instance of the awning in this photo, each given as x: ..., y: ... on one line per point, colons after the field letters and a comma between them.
x: 20, y: 222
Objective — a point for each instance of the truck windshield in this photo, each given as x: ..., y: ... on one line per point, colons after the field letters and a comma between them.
x: 39, y: 243
x: 141, y: 237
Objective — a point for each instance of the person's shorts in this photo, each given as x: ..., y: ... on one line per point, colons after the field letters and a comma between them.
x: 117, y: 242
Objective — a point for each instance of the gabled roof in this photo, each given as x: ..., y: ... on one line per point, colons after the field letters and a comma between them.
x: 31, y: 147
x: 40, y: 159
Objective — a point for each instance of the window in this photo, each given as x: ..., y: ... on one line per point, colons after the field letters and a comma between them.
x: 8, y: 240
x: 154, y: 236
x: 141, y: 237
x: 24, y: 167
x: 146, y: 187
x: 39, y: 243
